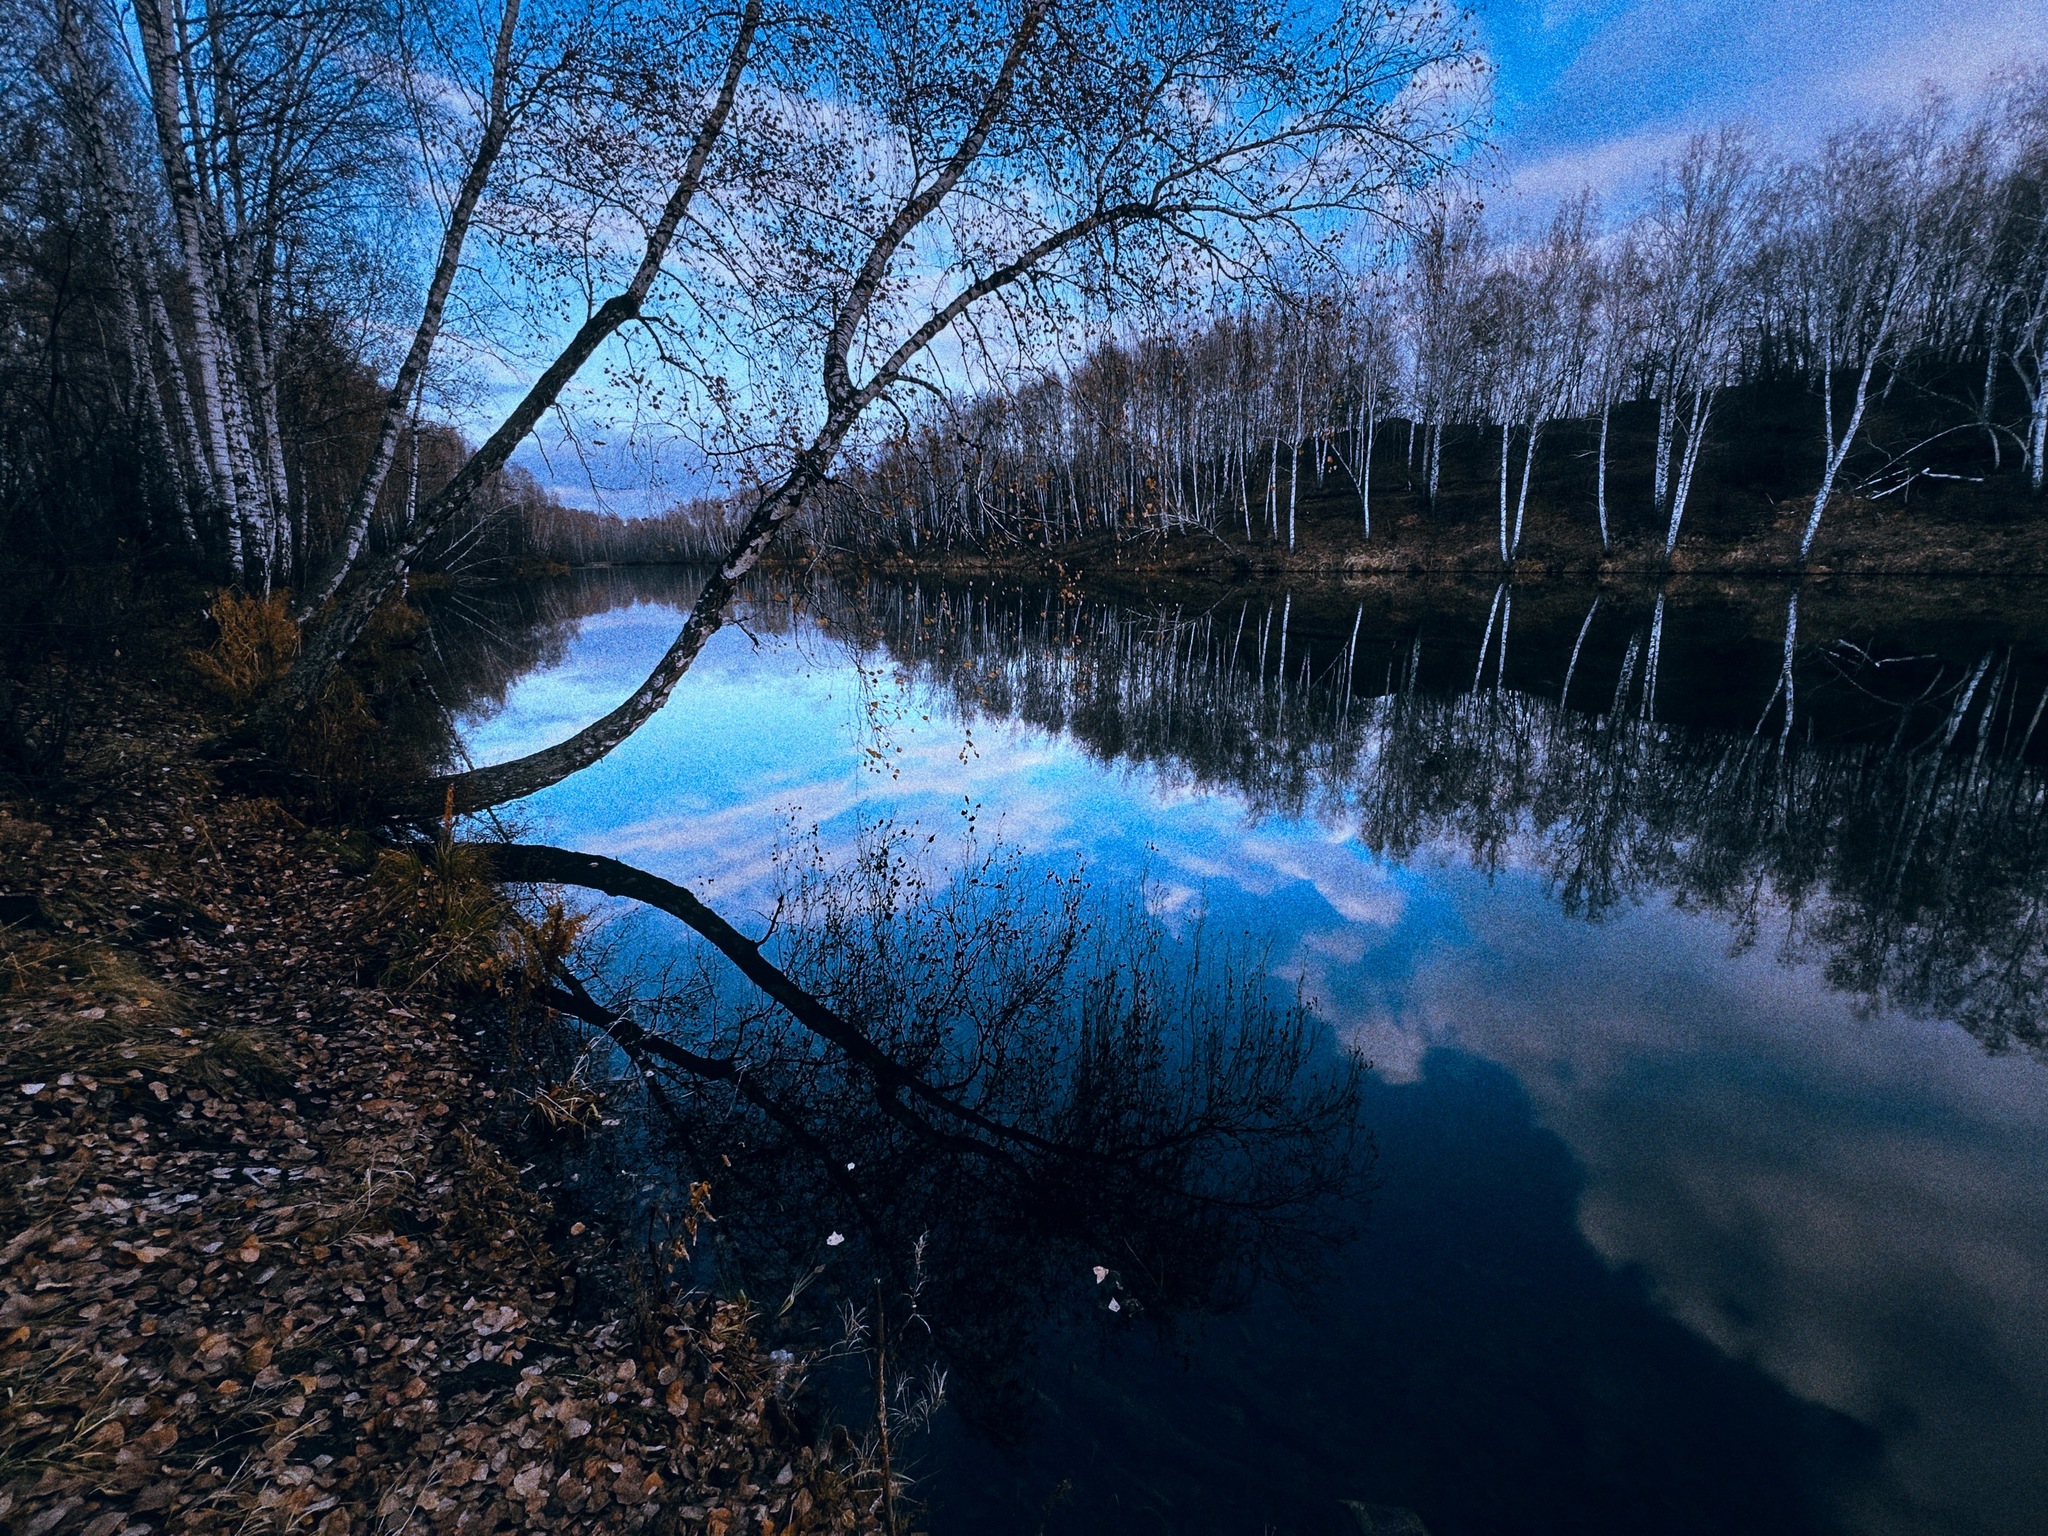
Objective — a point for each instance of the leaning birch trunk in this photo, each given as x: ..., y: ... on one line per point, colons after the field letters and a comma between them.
x: 1838, y: 451
x: 484, y: 787
x: 163, y: 65
x: 1486, y: 639
x: 366, y: 591
x: 356, y: 529
x: 1565, y: 693
x: 1702, y: 408
x: 1522, y: 499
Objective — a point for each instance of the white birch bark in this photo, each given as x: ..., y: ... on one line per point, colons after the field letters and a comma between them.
x: 1535, y: 435
x: 163, y: 64
x: 1564, y: 695
x: 1696, y: 429
x: 1600, y: 474
x: 1504, y: 431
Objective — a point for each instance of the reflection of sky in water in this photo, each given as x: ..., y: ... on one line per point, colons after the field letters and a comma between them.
x: 1858, y: 1206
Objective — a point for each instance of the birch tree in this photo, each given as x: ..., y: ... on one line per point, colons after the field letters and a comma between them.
x: 2016, y: 333
x: 1855, y: 258
x: 1697, y: 231
x: 1034, y: 158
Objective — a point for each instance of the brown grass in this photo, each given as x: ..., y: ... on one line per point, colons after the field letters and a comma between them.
x: 256, y: 642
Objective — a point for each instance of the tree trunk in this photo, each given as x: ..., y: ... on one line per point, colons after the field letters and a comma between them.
x: 361, y: 596
x: 1837, y: 451
x: 1365, y: 468
x: 1702, y: 408
x: 1486, y: 640
x: 1600, y: 480
x: 1522, y: 499
x: 164, y: 67
x: 1504, y: 430
x: 1660, y: 486
x: 2037, y: 435
x: 1564, y: 694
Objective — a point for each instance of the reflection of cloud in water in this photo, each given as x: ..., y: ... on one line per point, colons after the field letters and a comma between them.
x: 1857, y: 1205
x: 1860, y: 1206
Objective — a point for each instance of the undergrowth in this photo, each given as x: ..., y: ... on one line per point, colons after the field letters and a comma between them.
x: 255, y: 643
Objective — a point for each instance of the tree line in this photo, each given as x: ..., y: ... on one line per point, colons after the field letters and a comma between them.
x: 1904, y: 261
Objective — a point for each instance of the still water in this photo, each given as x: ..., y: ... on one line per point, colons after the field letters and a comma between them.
x: 1695, y: 941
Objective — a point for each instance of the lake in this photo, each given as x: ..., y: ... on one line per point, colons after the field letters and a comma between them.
x: 1694, y: 940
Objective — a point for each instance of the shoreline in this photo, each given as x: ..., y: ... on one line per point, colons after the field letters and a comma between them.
x: 281, y: 1245
x: 1863, y: 543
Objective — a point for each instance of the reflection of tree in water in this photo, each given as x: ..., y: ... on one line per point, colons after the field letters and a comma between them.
x: 1911, y: 860
x: 480, y: 640
x: 995, y: 1086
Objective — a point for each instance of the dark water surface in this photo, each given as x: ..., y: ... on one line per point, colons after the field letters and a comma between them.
x: 1708, y: 1173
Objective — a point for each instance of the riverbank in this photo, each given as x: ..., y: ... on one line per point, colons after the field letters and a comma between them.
x: 1858, y: 539
x: 281, y: 1248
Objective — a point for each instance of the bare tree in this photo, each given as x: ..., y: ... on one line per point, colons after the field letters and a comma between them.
x: 1857, y: 251
x: 1697, y: 232
x: 2016, y: 294
x: 1037, y: 158
x: 517, y: 70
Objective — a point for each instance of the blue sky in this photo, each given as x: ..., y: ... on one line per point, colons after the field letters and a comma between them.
x: 1596, y: 92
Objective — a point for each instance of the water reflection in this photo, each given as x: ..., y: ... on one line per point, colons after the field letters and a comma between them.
x: 1900, y: 841
x: 1652, y: 932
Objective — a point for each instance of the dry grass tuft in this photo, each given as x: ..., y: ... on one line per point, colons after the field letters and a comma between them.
x: 569, y: 1108
x: 101, y: 1014
x: 257, y: 642
x: 453, y: 919
x: 459, y: 929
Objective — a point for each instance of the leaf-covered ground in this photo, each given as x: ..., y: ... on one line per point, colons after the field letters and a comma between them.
x: 266, y: 1261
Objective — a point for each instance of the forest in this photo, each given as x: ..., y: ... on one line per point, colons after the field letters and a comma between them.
x: 448, y: 1087
x: 215, y: 227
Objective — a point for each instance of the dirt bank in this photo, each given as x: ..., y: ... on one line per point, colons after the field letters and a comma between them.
x: 272, y: 1253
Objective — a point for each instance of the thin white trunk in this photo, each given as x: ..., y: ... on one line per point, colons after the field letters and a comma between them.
x: 1600, y: 480
x: 1660, y: 483
x: 1504, y: 430
x: 1273, y: 489
x: 1650, y: 659
x: 1838, y: 449
x: 1522, y: 500
x: 1507, y: 615
x: 1486, y: 640
x: 1365, y: 467
x: 164, y: 66
x: 194, y: 449
x: 1785, y: 669
x: 1572, y: 666
x: 2037, y: 437
x: 1696, y: 429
